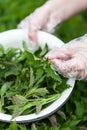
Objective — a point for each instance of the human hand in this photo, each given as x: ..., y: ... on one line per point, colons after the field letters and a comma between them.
x: 70, y: 60
x: 49, y: 15
x: 43, y: 18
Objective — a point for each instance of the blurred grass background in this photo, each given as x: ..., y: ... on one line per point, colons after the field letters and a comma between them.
x: 75, y: 110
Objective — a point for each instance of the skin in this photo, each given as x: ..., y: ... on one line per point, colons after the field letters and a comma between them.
x: 49, y: 15
x: 71, y: 59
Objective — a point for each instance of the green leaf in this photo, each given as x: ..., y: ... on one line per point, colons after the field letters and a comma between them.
x: 53, y: 121
x: 25, y: 47
x: 10, y: 53
x: 3, y: 90
x: 80, y: 109
x: 38, y: 106
x: 31, y: 81
x: 71, y: 123
x: 44, y: 51
x: 1, y: 50
x: 39, y: 73
x: 12, y: 72
x: 22, y: 127
x: 50, y: 72
x: 13, y: 126
x: 0, y: 106
x: 33, y: 126
x: 20, y: 100
x: 31, y: 77
x: 41, y: 92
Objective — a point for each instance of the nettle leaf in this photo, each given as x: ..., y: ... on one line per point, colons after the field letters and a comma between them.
x: 44, y: 51
x: 11, y: 72
x: 2, y: 73
x: 16, y: 111
x: 22, y: 127
x: 41, y: 80
x: 20, y: 57
x: 32, y: 60
x: 1, y: 50
x: 10, y: 53
x: 80, y: 109
x: 0, y: 106
x: 3, y: 90
x: 39, y: 73
x: 41, y: 92
x: 50, y: 72
x: 13, y: 126
x: 33, y: 126
x: 31, y: 78
x: 38, y: 106
x: 62, y: 114
x: 19, y: 110
x: 53, y: 121
x: 25, y: 47
x: 20, y: 100
x: 31, y: 81
x: 71, y: 123
x: 35, y: 92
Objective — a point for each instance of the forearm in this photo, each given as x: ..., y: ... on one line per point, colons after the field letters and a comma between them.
x: 64, y: 9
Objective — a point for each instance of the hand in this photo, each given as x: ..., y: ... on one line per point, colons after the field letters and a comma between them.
x: 48, y: 16
x: 71, y: 59
x: 43, y: 18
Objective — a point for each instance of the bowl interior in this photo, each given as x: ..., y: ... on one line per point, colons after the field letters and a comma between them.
x: 14, y: 38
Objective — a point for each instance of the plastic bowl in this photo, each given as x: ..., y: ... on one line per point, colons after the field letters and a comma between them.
x: 14, y: 38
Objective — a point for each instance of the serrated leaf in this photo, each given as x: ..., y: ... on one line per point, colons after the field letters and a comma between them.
x: 10, y: 53
x: 33, y: 126
x: 22, y: 127
x: 44, y: 51
x: 53, y: 121
x: 11, y: 72
x: 0, y: 106
x: 1, y: 50
x: 25, y: 47
x: 3, y: 91
x: 13, y: 126
x: 39, y: 73
x: 62, y: 114
x: 31, y: 81
x: 20, y: 100
x: 71, y: 123
x: 38, y: 106
x: 51, y: 73
x: 41, y: 92
x: 80, y: 109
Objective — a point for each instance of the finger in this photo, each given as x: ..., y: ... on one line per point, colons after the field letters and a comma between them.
x: 34, y: 26
x: 24, y: 23
x: 33, y: 34
x: 62, y: 54
x: 53, y: 21
x: 71, y: 68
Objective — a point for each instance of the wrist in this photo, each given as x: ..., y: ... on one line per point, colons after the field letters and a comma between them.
x: 56, y: 9
x: 64, y: 9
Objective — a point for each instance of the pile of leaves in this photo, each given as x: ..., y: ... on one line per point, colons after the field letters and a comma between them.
x: 27, y: 81
x: 73, y: 115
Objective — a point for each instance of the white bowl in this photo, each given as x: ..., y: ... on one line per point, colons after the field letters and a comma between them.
x: 14, y: 38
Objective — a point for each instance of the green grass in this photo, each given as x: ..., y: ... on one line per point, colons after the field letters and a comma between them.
x: 73, y: 115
